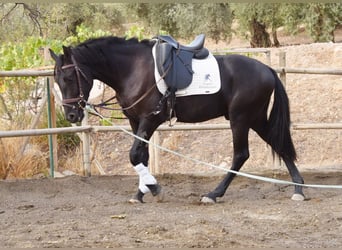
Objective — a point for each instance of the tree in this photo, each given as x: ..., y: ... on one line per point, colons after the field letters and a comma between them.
x: 322, y: 20
x: 18, y: 20
x: 254, y: 21
x: 56, y: 21
x: 214, y: 20
x: 63, y: 19
x: 184, y: 20
x: 158, y: 17
x: 258, y: 20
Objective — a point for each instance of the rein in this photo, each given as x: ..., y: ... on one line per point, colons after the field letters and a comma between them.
x: 106, y: 103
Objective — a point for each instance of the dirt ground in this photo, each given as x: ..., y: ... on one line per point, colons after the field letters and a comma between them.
x: 94, y: 212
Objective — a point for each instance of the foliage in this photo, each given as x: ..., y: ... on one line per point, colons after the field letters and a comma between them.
x: 16, y: 91
x: 185, y: 20
x: 66, y: 142
x: 56, y: 20
x: 94, y: 16
x: 26, y: 54
x: 30, y: 54
x: 319, y: 19
x: 14, y: 164
x: 182, y: 20
x: 214, y: 20
x: 322, y: 19
x: 82, y: 34
x: 220, y: 22
x: 20, y: 20
x: 255, y: 18
x: 137, y: 32
x: 293, y: 16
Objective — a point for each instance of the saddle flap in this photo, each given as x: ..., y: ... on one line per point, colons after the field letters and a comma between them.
x: 180, y: 74
x: 163, y: 57
x: 174, y: 61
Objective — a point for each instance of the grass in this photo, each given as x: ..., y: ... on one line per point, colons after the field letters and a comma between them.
x: 34, y: 161
x: 14, y: 164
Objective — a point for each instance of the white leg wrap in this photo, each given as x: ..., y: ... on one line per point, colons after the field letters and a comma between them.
x: 145, y: 178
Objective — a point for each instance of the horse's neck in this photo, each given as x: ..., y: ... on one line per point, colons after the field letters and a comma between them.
x: 122, y: 67
x: 102, y: 70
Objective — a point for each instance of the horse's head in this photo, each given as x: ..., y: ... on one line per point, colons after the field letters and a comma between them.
x: 73, y: 82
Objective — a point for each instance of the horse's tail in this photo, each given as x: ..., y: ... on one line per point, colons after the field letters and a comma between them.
x: 279, y: 123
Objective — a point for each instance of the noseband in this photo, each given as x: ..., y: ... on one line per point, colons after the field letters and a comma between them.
x: 81, y: 102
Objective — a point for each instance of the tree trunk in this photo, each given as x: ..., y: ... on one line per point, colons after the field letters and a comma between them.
x: 5, y: 109
x: 260, y: 37
x: 72, y: 28
x: 275, y: 37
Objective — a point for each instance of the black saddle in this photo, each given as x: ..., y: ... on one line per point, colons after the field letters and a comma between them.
x: 174, y: 60
x: 174, y: 64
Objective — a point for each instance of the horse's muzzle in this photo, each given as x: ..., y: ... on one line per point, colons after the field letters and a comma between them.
x: 75, y: 115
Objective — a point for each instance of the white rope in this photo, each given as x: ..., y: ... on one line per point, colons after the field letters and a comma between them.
x: 251, y: 176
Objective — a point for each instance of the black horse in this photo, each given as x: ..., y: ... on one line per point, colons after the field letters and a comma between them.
x: 128, y: 67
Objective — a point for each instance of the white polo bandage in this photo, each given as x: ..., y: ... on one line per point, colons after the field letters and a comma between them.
x: 145, y: 178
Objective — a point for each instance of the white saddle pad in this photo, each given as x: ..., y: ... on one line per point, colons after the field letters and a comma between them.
x: 206, y: 78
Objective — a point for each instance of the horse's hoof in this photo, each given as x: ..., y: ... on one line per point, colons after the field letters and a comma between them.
x: 134, y: 201
x: 138, y: 198
x: 157, y: 192
x: 297, y: 197
x: 160, y: 196
x: 207, y: 200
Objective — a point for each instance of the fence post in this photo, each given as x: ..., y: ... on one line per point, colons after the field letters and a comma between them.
x: 154, y: 154
x: 86, y: 147
x: 51, y: 124
x: 268, y: 57
x: 282, y: 65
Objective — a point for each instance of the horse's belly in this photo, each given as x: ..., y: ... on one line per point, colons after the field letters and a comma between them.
x: 199, y: 108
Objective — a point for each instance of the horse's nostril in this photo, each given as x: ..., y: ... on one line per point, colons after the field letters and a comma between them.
x: 71, y: 117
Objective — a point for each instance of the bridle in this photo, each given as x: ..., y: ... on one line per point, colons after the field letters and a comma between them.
x: 80, y: 100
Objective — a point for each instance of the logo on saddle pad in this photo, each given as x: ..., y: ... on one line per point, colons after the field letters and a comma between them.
x: 205, y: 79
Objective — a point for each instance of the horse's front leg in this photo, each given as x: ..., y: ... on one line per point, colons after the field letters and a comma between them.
x: 139, y: 158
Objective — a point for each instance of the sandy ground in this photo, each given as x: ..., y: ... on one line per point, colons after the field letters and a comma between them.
x: 94, y: 212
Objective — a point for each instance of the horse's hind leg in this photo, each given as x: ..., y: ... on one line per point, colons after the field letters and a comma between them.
x: 294, y: 173
x: 296, y: 178
x: 241, y: 154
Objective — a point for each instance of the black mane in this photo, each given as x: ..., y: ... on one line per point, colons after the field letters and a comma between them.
x: 112, y: 40
x: 97, y: 49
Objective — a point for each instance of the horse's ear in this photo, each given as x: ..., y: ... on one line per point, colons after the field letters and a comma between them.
x: 53, y: 55
x: 67, y: 51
